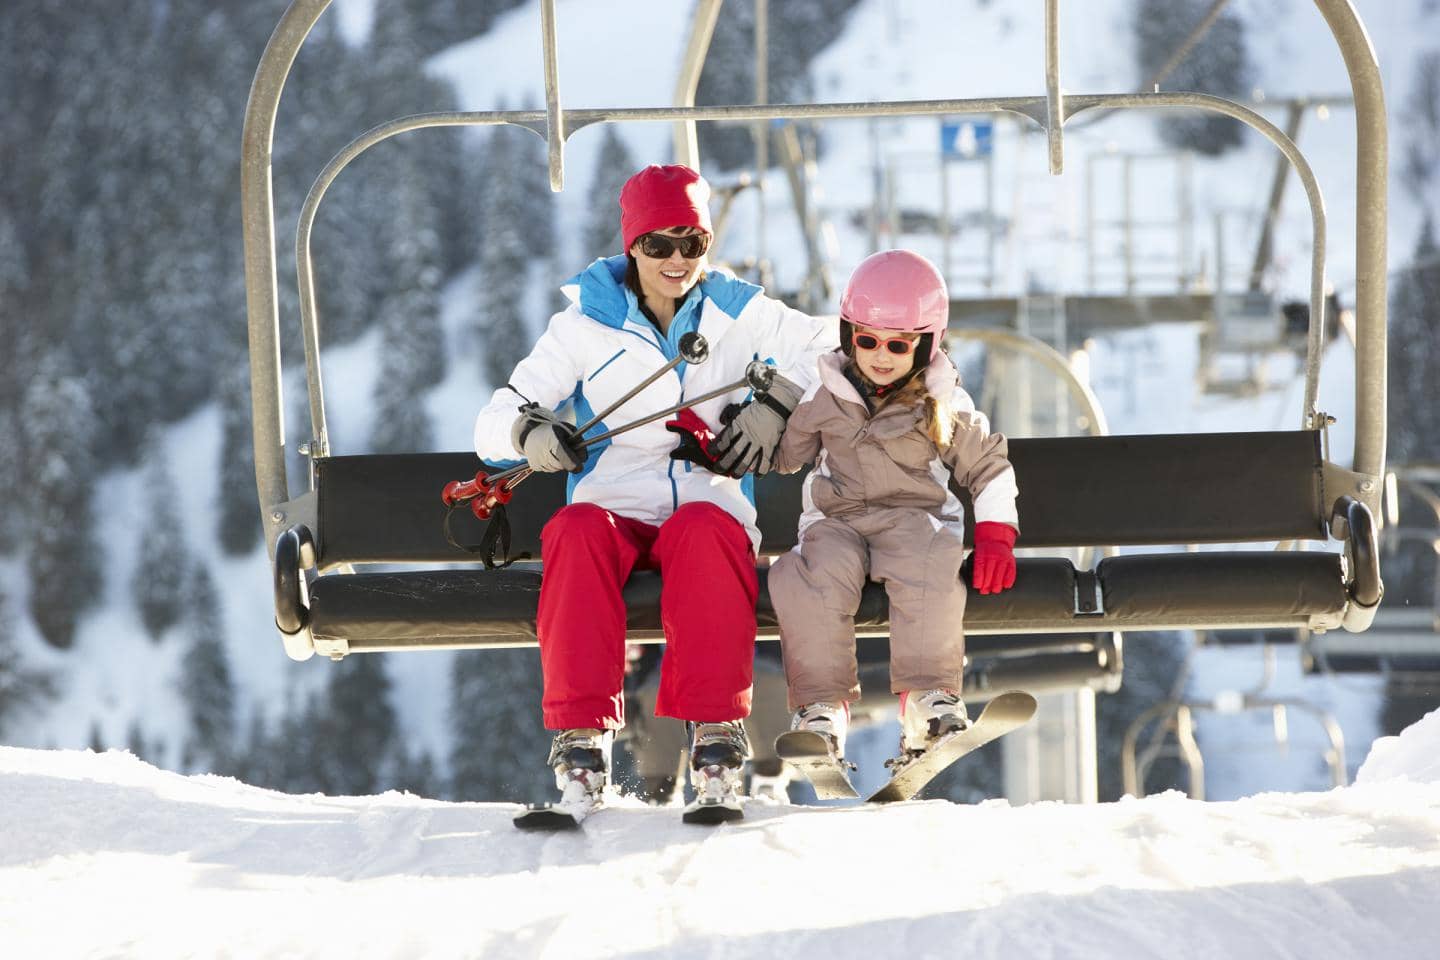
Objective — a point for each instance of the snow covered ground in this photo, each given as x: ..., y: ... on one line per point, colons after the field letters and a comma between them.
x: 102, y: 855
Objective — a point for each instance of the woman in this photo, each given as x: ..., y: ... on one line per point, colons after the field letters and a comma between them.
x: 636, y: 501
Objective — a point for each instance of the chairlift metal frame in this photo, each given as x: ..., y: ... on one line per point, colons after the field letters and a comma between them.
x: 282, y: 513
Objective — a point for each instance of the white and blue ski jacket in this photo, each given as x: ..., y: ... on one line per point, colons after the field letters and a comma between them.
x: 601, y: 346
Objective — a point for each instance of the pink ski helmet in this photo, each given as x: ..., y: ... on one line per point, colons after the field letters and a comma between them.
x: 896, y: 290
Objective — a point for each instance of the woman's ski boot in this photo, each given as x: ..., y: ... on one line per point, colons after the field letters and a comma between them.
x: 717, y: 765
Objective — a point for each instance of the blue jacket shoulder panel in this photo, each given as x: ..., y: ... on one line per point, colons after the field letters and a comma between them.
x: 727, y: 291
x: 602, y: 291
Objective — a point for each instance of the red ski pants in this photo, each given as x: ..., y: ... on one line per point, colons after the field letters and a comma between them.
x: 707, y: 609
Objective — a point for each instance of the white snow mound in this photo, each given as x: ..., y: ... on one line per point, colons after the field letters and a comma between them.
x: 1414, y: 755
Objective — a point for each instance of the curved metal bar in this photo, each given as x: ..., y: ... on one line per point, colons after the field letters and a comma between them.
x: 1371, y: 179
x: 1365, y: 586
x: 292, y: 612
x: 1051, y: 358
x: 532, y: 120
x: 1134, y: 767
x: 257, y: 212
x: 1275, y: 135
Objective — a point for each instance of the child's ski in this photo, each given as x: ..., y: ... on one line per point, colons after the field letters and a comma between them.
x: 1006, y: 712
x: 810, y: 753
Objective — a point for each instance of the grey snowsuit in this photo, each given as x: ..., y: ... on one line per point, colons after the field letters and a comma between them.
x: 878, y: 506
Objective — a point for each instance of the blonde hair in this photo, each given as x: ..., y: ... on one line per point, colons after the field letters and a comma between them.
x: 939, y: 417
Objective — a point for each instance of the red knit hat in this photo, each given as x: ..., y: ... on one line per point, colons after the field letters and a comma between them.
x: 659, y: 197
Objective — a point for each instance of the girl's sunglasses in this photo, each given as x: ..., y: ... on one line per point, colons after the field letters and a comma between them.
x: 896, y: 345
x: 657, y: 246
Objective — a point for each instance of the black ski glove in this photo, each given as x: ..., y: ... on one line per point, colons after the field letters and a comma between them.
x: 547, y: 442
x: 749, y: 439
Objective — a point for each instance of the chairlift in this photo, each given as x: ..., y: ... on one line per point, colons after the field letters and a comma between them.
x: 1098, y: 492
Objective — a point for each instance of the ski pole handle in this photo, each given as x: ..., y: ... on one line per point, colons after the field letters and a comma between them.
x: 458, y: 491
x: 694, y: 349
x: 485, y: 492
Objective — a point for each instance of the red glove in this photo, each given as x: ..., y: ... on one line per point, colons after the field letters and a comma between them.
x: 993, y: 563
x: 695, y: 438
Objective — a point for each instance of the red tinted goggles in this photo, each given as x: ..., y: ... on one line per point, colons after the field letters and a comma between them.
x: 896, y: 345
x: 657, y: 246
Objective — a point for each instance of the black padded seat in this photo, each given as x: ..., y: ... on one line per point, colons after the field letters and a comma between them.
x: 459, y: 608
x: 450, y: 608
x: 1044, y: 591
x: 497, y: 607
x: 1258, y: 587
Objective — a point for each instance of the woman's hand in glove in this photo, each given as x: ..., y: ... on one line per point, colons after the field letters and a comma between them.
x: 547, y: 442
x: 749, y: 440
x: 993, y: 565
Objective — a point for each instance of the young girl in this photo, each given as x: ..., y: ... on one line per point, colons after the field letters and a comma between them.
x: 887, y: 427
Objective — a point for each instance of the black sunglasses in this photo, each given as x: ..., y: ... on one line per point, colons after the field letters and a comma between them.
x: 657, y: 246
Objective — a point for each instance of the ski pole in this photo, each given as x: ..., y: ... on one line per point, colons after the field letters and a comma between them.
x: 758, y: 377
x: 694, y: 349
x: 489, y: 492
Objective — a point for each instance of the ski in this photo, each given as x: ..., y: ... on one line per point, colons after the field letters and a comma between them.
x: 711, y: 812
x: 810, y: 753
x: 1006, y: 712
x: 550, y: 817
x: 717, y: 798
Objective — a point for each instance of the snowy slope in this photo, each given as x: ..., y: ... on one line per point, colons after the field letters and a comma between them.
x: 102, y: 855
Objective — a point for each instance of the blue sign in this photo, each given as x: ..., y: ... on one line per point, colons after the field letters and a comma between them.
x: 966, y: 139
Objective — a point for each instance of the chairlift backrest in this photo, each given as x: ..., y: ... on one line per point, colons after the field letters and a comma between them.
x: 1076, y: 492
